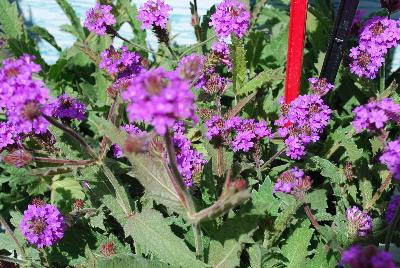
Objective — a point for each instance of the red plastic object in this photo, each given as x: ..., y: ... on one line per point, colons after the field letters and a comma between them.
x: 298, y: 17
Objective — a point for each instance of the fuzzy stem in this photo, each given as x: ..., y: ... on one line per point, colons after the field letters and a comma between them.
x: 196, y: 46
x: 73, y: 134
x: 171, y: 51
x: 63, y: 161
x: 133, y: 44
x: 392, y: 229
x: 275, y: 156
x: 310, y: 216
x: 197, y: 240
x: 105, y: 139
x: 382, y: 77
x: 378, y: 193
x: 11, y: 233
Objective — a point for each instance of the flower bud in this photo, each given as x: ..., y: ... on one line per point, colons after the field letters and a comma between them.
x: 108, y: 249
x: 18, y: 158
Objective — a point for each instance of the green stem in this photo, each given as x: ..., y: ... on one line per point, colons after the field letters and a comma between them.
x: 63, y: 161
x: 382, y: 77
x: 73, y: 134
x: 11, y: 233
x: 171, y: 51
x: 197, y: 240
x: 196, y: 46
x: 392, y: 229
x: 275, y: 156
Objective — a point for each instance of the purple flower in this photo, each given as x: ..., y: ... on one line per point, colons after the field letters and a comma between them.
x: 221, y: 50
x: 154, y: 13
x: 293, y: 182
x: 68, y: 108
x: 230, y: 17
x: 159, y: 98
x: 131, y: 129
x: 189, y: 161
x: 382, y: 32
x: 116, y: 151
x: 374, y: 115
x: 320, y: 86
x: 123, y: 62
x: 215, y: 127
x: 368, y: 256
x: 366, y: 60
x: 191, y: 67
x: 216, y: 85
x: 42, y: 225
x: 392, y: 208
x: 358, y: 222
x: 99, y: 19
x: 301, y: 122
x: 8, y: 136
x: 391, y: 158
x: 248, y: 133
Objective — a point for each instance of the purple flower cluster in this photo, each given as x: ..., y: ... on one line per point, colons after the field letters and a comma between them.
x: 377, y: 36
x: 301, y: 123
x: 23, y: 98
x: 230, y: 17
x: 159, y: 98
x: 320, y: 86
x: 293, y: 182
x: 374, y: 115
x: 189, y: 161
x: 358, y: 222
x: 368, y: 256
x: 391, y: 158
x: 8, y: 135
x: 191, y: 67
x: 42, y: 225
x: 67, y: 108
x: 154, y: 13
x: 241, y: 134
x: 221, y: 50
x: 216, y: 85
x: 99, y: 19
x: 131, y: 130
x: 392, y: 208
x: 122, y: 63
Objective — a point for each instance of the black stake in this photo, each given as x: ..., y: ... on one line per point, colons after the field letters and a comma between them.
x: 340, y: 35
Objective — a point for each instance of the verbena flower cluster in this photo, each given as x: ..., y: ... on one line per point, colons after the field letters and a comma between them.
x: 368, y: 256
x: 68, y: 108
x: 189, y: 161
x: 240, y: 134
x: 320, y: 86
x: 160, y: 98
x: 154, y: 13
x: 392, y: 208
x: 99, y: 19
x: 374, y: 115
x: 192, y: 68
x: 377, y: 36
x: 230, y: 17
x: 391, y: 158
x: 221, y: 50
x: 42, y: 225
x: 122, y: 62
x: 358, y: 221
x: 302, y: 122
x: 293, y: 182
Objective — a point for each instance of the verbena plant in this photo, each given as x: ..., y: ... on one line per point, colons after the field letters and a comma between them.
x: 187, y: 156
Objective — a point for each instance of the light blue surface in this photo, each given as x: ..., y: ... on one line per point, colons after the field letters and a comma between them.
x: 47, y: 14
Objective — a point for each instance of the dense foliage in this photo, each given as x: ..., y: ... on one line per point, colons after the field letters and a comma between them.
x: 188, y: 156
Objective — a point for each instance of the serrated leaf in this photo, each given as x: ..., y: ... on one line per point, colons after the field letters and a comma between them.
x: 7, y: 243
x: 322, y: 258
x: 343, y: 136
x: 295, y: 248
x: 328, y: 169
x: 64, y: 191
x: 10, y: 21
x: 318, y: 201
x: 129, y: 261
x: 132, y: 12
x: 70, y: 13
x: 45, y: 35
x: 376, y: 145
x: 261, y: 79
x: 238, y: 54
x: 263, y: 200
x: 366, y: 190
x: 97, y: 221
x: 150, y: 230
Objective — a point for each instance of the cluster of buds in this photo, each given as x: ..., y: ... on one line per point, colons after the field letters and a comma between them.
x: 108, y: 249
x: 293, y: 182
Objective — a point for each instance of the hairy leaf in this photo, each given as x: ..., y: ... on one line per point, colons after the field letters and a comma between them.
x: 264, y: 200
x: 129, y: 261
x: 45, y: 35
x: 238, y: 54
x: 151, y: 231
x: 69, y: 11
x: 10, y: 21
x: 261, y: 79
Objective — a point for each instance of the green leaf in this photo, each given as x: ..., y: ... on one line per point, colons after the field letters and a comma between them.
x: 227, y: 243
x: 295, y: 249
x: 328, y: 169
x: 343, y: 136
x: 318, y: 201
x: 263, y: 200
x: 10, y: 21
x: 322, y: 258
x: 366, y: 190
x: 69, y: 11
x: 7, y: 243
x: 261, y: 79
x: 129, y: 261
x: 150, y: 230
x: 238, y: 54
x: 64, y: 191
x: 45, y: 35
x: 131, y: 11
x: 97, y: 221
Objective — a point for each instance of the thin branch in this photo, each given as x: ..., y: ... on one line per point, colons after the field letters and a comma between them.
x: 73, y: 134
x: 310, y: 216
x: 196, y: 46
x: 275, y: 156
x: 379, y: 193
x: 63, y: 161
x: 105, y: 140
x: 10, y: 232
